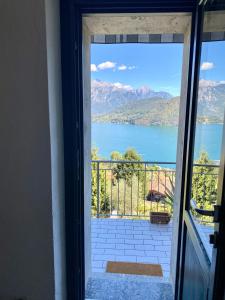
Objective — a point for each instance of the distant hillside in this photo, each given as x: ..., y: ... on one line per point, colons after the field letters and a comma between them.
x: 211, y: 101
x: 158, y: 108
x: 153, y: 111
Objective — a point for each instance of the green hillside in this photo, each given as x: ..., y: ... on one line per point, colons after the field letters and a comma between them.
x: 158, y: 111
x: 154, y: 111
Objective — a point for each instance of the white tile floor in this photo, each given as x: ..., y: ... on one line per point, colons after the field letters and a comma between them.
x: 130, y: 241
x: 136, y: 241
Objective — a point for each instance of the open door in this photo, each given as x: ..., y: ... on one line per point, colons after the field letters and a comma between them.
x: 201, y: 263
x: 203, y: 224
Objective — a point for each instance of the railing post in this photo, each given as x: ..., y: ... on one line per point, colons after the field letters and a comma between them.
x: 98, y: 191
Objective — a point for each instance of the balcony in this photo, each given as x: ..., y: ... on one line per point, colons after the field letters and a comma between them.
x: 130, y: 241
x: 124, y: 193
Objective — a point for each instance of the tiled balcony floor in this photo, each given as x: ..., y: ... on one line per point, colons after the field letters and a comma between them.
x: 130, y: 241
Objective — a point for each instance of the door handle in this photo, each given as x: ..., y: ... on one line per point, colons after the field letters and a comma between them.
x: 204, y: 212
x: 214, y: 239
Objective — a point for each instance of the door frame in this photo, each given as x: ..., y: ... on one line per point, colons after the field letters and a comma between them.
x: 194, y: 63
x: 217, y: 287
x: 218, y: 291
x: 71, y: 59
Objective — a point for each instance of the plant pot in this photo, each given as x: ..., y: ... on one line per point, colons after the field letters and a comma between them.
x: 159, y: 217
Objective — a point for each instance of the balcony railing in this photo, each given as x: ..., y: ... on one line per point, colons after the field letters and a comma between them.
x: 135, y: 188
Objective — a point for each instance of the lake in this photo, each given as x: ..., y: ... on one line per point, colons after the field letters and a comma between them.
x: 153, y: 143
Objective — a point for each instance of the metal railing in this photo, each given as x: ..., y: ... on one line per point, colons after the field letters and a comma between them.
x: 134, y: 188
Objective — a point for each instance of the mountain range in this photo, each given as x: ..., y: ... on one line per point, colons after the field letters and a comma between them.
x: 107, y: 96
x: 118, y: 103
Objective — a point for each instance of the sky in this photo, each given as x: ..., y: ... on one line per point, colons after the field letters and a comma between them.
x: 213, y: 61
x: 158, y: 66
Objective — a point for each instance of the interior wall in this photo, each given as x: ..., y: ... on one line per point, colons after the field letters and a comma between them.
x: 28, y: 191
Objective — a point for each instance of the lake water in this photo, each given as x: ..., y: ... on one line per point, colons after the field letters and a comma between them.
x: 154, y: 143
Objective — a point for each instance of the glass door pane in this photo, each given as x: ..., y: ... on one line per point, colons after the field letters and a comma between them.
x: 209, y: 126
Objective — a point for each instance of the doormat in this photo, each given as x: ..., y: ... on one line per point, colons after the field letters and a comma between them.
x: 134, y: 268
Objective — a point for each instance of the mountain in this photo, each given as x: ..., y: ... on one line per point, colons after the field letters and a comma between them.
x: 211, y: 101
x: 147, y: 107
x: 106, y: 96
x: 153, y: 111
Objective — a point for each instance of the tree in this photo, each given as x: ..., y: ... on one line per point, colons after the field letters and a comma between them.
x: 99, y: 176
x: 204, y: 182
x: 126, y: 170
x: 116, y: 155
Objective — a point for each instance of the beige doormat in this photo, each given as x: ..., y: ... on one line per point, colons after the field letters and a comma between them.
x: 134, y: 268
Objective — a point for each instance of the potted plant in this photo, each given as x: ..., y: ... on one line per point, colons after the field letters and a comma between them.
x: 167, y: 198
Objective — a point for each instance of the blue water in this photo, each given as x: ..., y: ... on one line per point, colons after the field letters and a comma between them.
x: 154, y: 143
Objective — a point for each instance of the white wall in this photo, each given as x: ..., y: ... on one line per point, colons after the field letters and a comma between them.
x: 31, y: 178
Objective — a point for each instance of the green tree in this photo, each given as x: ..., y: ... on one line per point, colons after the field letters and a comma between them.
x: 99, y: 176
x: 126, y: 170
x: 204, y: 182
x: 116, y: 155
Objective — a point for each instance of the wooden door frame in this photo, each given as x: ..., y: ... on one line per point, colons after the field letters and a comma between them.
x: 71, y: 50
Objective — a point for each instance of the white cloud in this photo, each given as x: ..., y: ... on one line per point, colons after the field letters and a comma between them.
x: 120, y: 85
x: 122, y: 67
x: 94, y: 68
x: 131, y: 67
x: 106, y: 65
x: 110, y: 65
x: 207, y: 66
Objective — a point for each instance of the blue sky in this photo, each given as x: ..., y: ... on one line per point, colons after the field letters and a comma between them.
x: 214, y: 54
x: 156, y: 65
